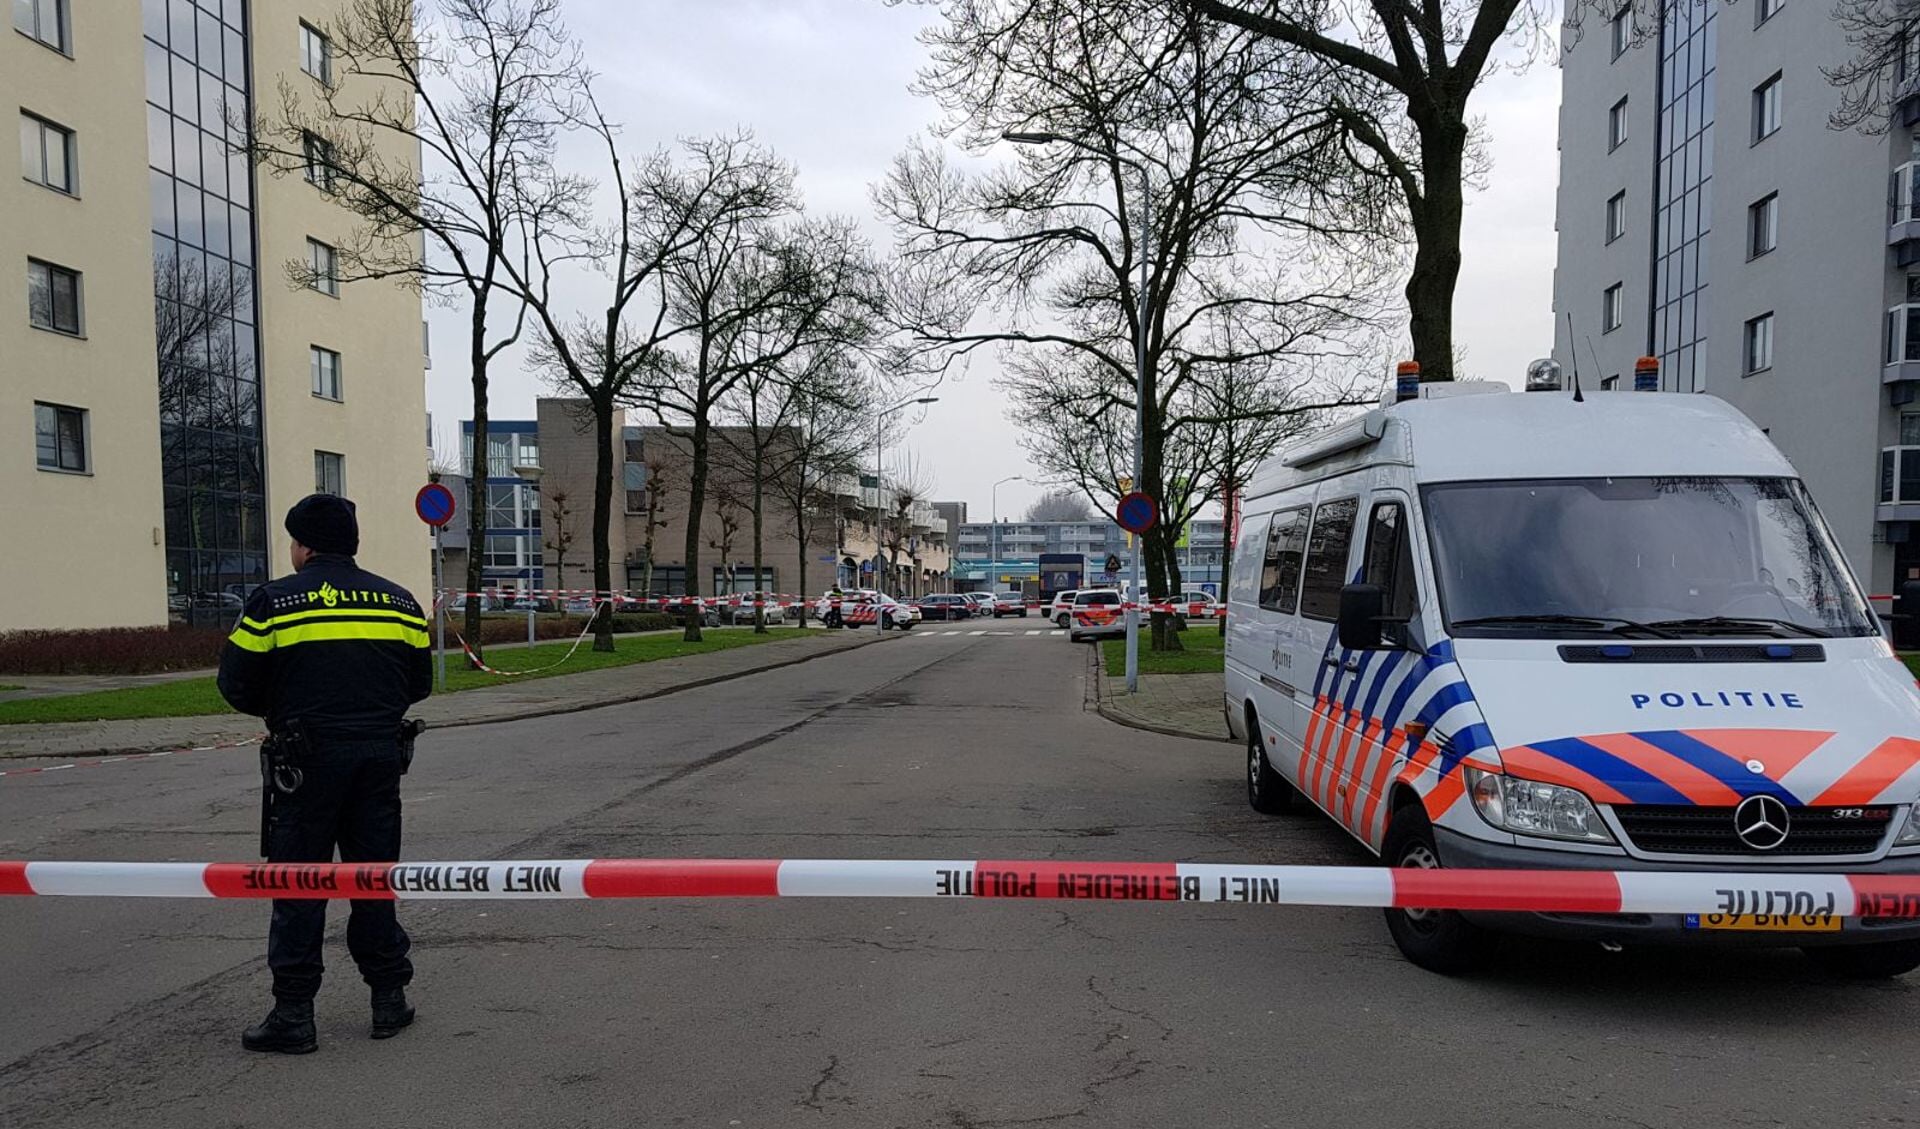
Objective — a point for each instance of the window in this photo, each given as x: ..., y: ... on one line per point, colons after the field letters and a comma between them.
x: 1903, y: 326
x: 1617, y: 215
x: 1764, y: 10
x: 1763, y: 225
x: 1325, y: 572
x: 1910, y: 429
x: 1906, y: 52
x: 316, y: 55
x: 53, y: 297
x: 1610, y: 384
x: 1620, y: 30
x: 1611, y: 307
x: 1389, y: 564
x: 1905, y: 192
x: 1280, y: 569
x: 324, y: 264
x: 329, y: 473
x: 1617, y: 125
x: 45, y: 20
x: 47, y: 154
x: 508, y: 551
x: 325, y: 366
x: 319, y: 161
x: 1759, y: 343
x: 1766, y: 109
x: 60, y: 438
x: 634, y: 480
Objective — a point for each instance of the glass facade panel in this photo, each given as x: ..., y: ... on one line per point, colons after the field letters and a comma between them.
x: 1684, y: 154
x: 208, y: 383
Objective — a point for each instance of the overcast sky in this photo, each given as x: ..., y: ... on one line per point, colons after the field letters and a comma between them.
x: 824, y: 82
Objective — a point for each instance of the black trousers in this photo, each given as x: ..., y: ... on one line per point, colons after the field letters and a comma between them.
x: 349, y: 799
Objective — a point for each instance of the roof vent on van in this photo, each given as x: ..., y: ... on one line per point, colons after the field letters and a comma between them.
x: 1543, y: 375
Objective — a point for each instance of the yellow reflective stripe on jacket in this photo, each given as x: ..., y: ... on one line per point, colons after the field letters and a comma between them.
x: 349, y: 632
x: 321, y: 624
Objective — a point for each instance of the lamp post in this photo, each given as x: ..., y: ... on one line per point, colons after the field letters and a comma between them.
x: 879, y: 479
x: 1139, y: 363
x: 993, y: 530
x: 530, y: 476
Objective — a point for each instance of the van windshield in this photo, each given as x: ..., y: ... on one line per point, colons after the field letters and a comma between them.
x: 1638, y: 557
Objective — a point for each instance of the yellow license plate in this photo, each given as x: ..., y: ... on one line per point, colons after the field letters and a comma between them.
x: 1766, y: 922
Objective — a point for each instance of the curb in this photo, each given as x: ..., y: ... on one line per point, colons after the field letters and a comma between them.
x: 522, y: 715
x: 1098, y: 685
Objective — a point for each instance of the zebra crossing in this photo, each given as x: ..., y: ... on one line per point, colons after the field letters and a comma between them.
x: 925, y: 631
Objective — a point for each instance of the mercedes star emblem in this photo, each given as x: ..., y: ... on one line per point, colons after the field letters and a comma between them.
x: 1761, y: 822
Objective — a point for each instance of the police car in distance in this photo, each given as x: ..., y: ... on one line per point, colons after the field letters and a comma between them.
x: 858, y: 607
x: 1533, y: 630
x: 1096, y: 613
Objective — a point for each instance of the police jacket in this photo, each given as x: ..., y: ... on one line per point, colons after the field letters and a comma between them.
x: 334, y: 647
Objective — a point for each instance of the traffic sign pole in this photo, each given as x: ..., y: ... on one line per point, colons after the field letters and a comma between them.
x: 440, y: 601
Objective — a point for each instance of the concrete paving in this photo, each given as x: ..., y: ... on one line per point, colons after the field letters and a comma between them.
x: 909, y: 1014
x: 1178, y: 705
x: 509, y: 701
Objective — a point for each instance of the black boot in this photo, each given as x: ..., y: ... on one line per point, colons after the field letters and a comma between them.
x: 287, y: 1030
x: 390, y: 1012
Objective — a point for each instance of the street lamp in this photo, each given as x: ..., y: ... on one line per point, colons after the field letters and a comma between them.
x: 531, y: 476
x: 1019, y: 137
x: 993, y: 529
x: 879, y: 477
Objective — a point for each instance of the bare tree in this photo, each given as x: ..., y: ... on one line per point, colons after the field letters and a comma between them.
x: 439, y: 123
x: 560, y: 525
x: 756, y: 288
x: 1260, y: 242
x: 1430, y: 56
x: 906, y: 486
x: 658, y: 491
x: 725, y: 535
x: 1058, y: 505
x: 1883, y: 63
x: 830, y: 407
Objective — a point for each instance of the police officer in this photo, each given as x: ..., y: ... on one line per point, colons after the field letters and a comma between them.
x: 331, y: 656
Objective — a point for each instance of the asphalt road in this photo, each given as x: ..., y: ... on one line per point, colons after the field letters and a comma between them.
x: 961, y: 1014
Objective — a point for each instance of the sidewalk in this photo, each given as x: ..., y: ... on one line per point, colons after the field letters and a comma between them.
x: 1177, y: 705
x: 508, y: 702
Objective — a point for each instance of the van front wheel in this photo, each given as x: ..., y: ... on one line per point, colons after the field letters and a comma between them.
x: 1437, y: 940
x: 1267, y: 791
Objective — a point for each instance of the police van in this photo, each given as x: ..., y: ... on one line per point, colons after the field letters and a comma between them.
x: 1494, y: 629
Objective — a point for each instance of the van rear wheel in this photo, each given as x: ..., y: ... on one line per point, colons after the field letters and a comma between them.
x: 1439, y: 941
x: 1267, y: 791
x: 1882, y: 960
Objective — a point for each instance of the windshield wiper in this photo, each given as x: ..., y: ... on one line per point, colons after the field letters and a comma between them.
x: 1728, y: 625
x: 1611, y: 624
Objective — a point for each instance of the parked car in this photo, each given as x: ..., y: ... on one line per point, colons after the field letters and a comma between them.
x: 1060, y: 612
x: 1009, y: 603
x: 1097, y: 613
x: 739, y: 607
x: 946, y: 606
x: 863, y: 606
x: 459, y: 602
x: 1196, y: 603
x: 982, y: 602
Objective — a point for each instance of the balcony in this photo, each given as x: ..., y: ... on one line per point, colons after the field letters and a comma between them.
x: 1899, y: 484
x: 1906, y: 84
x: 1903, y: 218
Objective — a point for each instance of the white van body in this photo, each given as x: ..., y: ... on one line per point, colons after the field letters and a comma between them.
x: 1594, y: 522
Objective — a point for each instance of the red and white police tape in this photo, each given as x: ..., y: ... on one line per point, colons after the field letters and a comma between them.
x: 1535, y: 891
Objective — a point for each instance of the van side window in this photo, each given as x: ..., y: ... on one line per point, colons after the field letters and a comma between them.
x: 1390, y: 565
x: 1280, y: 571
x: 1326, y: 570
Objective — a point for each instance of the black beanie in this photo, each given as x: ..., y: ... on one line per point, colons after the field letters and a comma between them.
x: 325, y: 523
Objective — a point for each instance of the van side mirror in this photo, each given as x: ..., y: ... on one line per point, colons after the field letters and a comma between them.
x: 1361, y: 606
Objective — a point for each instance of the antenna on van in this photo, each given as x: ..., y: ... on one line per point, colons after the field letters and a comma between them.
x: 1573, y: 350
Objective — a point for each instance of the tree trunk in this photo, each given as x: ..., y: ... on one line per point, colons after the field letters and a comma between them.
x: 477, y: 476
x: 603, y: 410
x: 800, y: 534
x: 1436, y: 229
x: 696, y: 502
x: 759, y: 512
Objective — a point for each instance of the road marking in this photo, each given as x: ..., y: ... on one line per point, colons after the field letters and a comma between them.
x: 1036, y: 633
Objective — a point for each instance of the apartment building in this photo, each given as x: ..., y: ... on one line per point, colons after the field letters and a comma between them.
x: 1709, y: 216
x: 181, y: 391
x: 858, y: 532
x: 1000, y: 555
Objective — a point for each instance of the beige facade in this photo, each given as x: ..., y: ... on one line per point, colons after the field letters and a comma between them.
x: 87, y: 546
x: 163, y: 499
x: 378, y: 425
x: 840, y: 535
